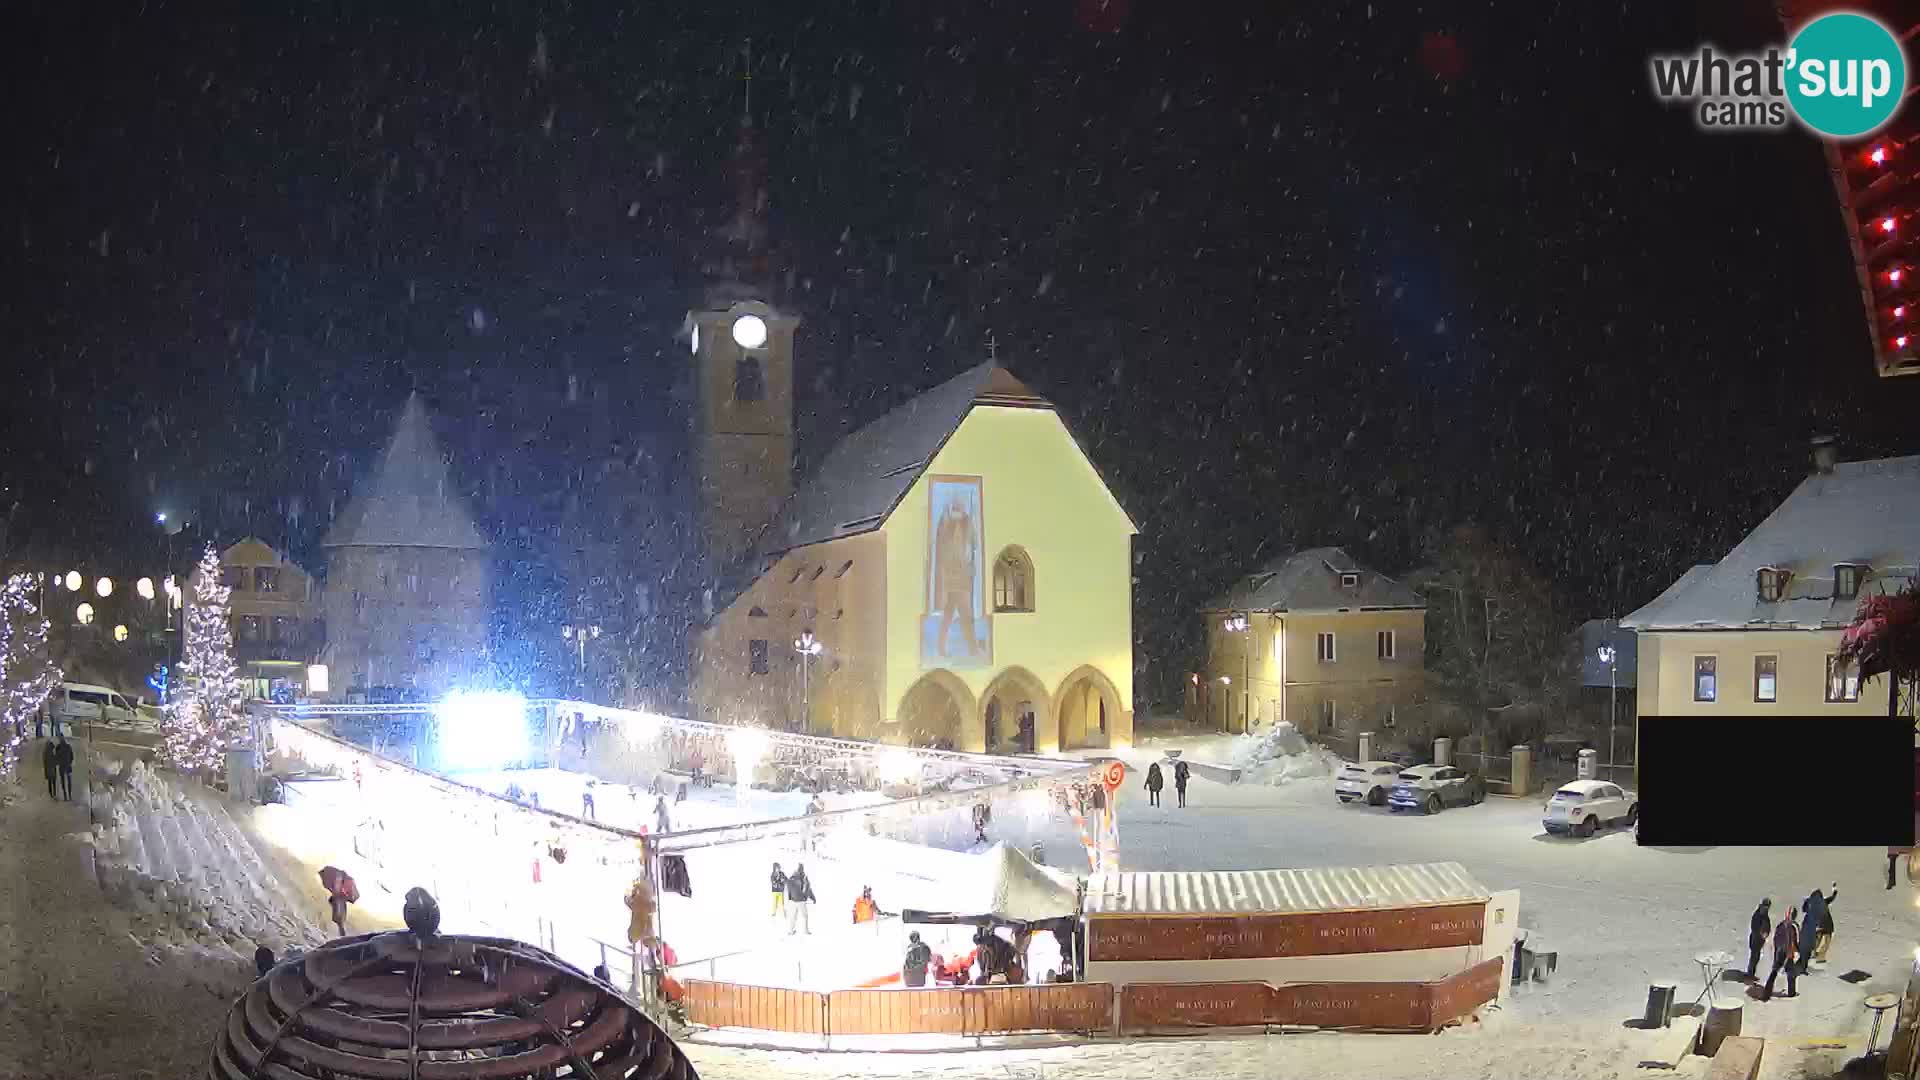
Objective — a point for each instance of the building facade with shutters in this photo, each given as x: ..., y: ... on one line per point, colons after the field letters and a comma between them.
x: 1313, y: 639
x: 274, y: 611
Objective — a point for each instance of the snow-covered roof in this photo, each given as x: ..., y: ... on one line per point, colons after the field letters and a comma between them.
x: 1310, y: 581
x: 408, y: 501
x: 1008, y: 885
x: 1250, y: 892
x: 1865, y: 513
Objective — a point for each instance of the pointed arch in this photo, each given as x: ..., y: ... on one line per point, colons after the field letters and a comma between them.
x: 1016, y: 714
x: 1091, y: 713
x: 1013, y: 584
x: 938, y: 708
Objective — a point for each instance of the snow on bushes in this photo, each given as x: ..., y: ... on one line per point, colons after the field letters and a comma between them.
x: 1280, y: 755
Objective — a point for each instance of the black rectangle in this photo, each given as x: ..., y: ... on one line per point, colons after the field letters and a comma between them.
x: 1777, y: 781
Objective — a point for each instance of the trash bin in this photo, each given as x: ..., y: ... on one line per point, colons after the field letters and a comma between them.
x: 1660, y: 1005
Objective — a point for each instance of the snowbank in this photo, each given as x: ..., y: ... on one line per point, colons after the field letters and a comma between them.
x: 1280, y: 755
x: 197, y: 888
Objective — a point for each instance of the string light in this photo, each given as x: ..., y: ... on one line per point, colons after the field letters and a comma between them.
x: 206, y: 714
x: 27, y: 672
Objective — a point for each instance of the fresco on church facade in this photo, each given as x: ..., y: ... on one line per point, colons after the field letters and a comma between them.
x: 956, y: 630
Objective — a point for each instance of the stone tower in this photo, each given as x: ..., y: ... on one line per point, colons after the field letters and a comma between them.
x: 407, y: 592
x: 742, y: 345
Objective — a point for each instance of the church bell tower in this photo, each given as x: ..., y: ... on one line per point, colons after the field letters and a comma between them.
x: 742, y: 346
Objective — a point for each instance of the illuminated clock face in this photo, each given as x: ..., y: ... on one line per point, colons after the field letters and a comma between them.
x: 750, y: 331
x: 696, y: 337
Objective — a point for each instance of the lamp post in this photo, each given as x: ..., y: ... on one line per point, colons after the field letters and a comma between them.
x: 579, y: 635
x: 1607, y: 657
x: 1238, y: 623
x: 808, y: 648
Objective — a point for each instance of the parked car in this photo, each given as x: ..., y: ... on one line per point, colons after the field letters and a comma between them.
x: 1365, y: 781
x: 83, y: 703
x: 1427, y: 788
x: 1584, y: 807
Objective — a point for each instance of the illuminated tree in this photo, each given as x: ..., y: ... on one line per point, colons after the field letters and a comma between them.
x: 206, y: 714
x: 1884, y: 639
x: 27, y: 671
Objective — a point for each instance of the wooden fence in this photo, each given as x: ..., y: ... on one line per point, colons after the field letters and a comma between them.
x: 1089, y: 1007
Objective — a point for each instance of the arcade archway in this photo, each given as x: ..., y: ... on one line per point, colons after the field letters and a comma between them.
x: 1016, y: 716
x: 938, y: 711
x: 1089, y: 708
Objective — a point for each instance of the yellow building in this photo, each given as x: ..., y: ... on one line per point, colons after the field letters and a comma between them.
x: 955, y: 574
x: 274, y: 612
x: 1758, y: 631
x: 1314, y: 639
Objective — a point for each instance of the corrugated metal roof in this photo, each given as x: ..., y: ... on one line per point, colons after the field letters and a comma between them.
x: 1250, y: 892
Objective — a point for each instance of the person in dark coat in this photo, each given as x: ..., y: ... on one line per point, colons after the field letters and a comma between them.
x: 779, y: 890
x: 1757, y: 929
x: 1893, y: 859
x: 1814, y: 910
x: 63, y: 758
x: 51, y: 765
x: 799, y: 900
x: 1154, y: 783
x: 262, y: 961
x: 1823, y: 933
x: 1786, y: 951
x: 914, y: 971
x: 1180, y: 775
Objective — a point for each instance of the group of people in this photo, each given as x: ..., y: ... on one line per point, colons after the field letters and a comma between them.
x: 56, y: 757
x: 1800, y: 937
x: 1157, y: 780
x: 994, y: 960
x: 793, y: 894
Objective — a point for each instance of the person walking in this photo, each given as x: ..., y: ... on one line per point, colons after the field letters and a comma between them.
x: 1823, y: 928
x: 799, y: 900
x: 1155, y: 781
x: 50, y: 764
x: 63, y: 760
x: 1893, y: 858
x: 779, y: 890
x: 586, y: 803
x: 662, y: 823
x: 913, y: 972
x: 1180, y: 776
x: 1786, y: 941
x: 1813, y: 911
x: 1757, y: 929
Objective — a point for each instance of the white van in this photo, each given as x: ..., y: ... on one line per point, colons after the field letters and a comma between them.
x: 81, y: 703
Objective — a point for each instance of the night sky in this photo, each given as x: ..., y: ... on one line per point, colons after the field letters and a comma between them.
x: 1328, y: 273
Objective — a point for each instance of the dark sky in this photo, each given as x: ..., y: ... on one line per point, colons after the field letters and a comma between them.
x: 1325, y: 273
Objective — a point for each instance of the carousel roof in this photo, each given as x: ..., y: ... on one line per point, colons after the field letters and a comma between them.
x: 405, y: 1005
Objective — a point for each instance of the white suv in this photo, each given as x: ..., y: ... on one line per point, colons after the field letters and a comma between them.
x: 1584, y: 807
x: 1365, y: 781
x: 82, y: 703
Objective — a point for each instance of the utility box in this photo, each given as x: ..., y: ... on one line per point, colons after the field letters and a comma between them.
x: 1589, y: 765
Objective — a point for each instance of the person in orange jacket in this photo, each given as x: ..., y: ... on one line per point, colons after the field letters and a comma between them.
x: 864, y: 909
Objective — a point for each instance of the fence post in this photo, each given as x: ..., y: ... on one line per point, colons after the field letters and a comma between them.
x: 1443, y: 751
x: 1522, y: 770
x: 1366, y: 746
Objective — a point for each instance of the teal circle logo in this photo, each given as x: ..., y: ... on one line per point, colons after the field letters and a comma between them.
x: 1846, y: 75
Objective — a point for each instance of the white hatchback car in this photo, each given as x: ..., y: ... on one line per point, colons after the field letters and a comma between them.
x: 1365, y: 781
x: 1584, y: 807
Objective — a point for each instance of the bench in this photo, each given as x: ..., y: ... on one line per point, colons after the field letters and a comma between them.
x: 1738, y: 1059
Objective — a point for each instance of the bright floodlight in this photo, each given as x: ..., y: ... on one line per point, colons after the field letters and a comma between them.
x: 898, y: 766
x: 73, y: 581
x: 104, y: 587
x: 161, y: 518
x: 482, y: 729
x: 749, y: 745
x: 750, y: 331
x: 144, y: 587
x: 120, y: 632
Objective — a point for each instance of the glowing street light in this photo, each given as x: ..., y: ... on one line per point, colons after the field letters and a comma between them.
x: 104, y: 587
x: 84, y: 613
x: 120, y: 632
x: 808, y: 648
x: 1607, y: 657
x: 144, y: 587
x: 73, y: 581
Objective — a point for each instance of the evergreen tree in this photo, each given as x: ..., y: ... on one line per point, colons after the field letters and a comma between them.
x: 206, y: 714
x: 27, y: 671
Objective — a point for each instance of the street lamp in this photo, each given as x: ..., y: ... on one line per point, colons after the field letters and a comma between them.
x: 120, y: 632
x: 1238, y: 623
x: 84, y: 614
x: 73, y: 581
x: 144, y: 587
x: 104, y: 587
x: 579, y: 635
x: 1607, y: 656
x: 808, y: 648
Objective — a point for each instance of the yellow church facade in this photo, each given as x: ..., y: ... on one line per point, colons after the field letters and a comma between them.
x: 956, y: 574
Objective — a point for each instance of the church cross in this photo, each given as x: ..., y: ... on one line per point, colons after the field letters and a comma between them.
x: 993, y: 349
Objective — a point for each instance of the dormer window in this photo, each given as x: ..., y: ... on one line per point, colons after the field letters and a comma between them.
x: 1846, y: 580
x: 1349, y: 581
x: 1773, y: 583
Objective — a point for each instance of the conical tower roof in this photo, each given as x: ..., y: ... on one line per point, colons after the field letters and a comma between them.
x: 408, y: 502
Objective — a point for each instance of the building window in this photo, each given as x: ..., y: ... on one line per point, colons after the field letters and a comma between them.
x: 1773, y: 583
x: 234, y: 577
x: 1323, y: 647
x: 1386, y: 643
x: 1706, y: 687
x: 1843, y: 681
x: 1392, y: 717
x: 250, y: 628
x: 757, y: 656
x: 266, y: 579
x: 413, y: 583
x: 1013, y: 581
x: 1766, y: 678
x: 1329, y: 716
x: 844, y: 567
x: 283, y: 629
x: 1846, y: 581
x: 756, y: 612
x: 749, y: 383
x: 817, y: 571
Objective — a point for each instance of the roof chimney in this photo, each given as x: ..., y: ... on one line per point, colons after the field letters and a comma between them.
x: 1825, y: 454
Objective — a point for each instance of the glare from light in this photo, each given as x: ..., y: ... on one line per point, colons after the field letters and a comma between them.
x: 161, y: 518
x: 316, y: 678
x: 144, y: 587
x: 482, y: 729
x: 640, y: 729
x: 898, y: 766
x: 104, y: 587
x: 84, y: 613
x: 749, y: 746
x: 1879, y: 155
x: 1606, y: 654
x: 750, y: 331
x: 120, y: 632
x: 1226, y: 680
x: 73, y: 581
x: 1886, y: 225
x: 1900, y: 311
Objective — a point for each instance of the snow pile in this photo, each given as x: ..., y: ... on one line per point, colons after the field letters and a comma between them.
x: 1280, y: 755
x: 197, y: 887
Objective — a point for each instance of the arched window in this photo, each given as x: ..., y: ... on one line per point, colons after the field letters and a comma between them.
x: 749, y: 383
x: 1013, y: 581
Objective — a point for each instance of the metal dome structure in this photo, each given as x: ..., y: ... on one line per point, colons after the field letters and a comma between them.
x: 417, y: 1005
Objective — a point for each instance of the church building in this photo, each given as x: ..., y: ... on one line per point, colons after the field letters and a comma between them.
x: 407, y: 596
x: 954, y: 574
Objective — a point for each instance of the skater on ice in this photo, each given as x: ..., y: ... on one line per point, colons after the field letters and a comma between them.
x: 799, y: 900
x: 864, y: 909
x: 661, y: 822
x: 1155, y: 781
x: 586, y: 802
x: 779, y: 890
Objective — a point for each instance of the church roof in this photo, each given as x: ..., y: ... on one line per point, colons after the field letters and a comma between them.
x: 870, y: 471
x: 408, y: 501
x: 1309, y: 581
